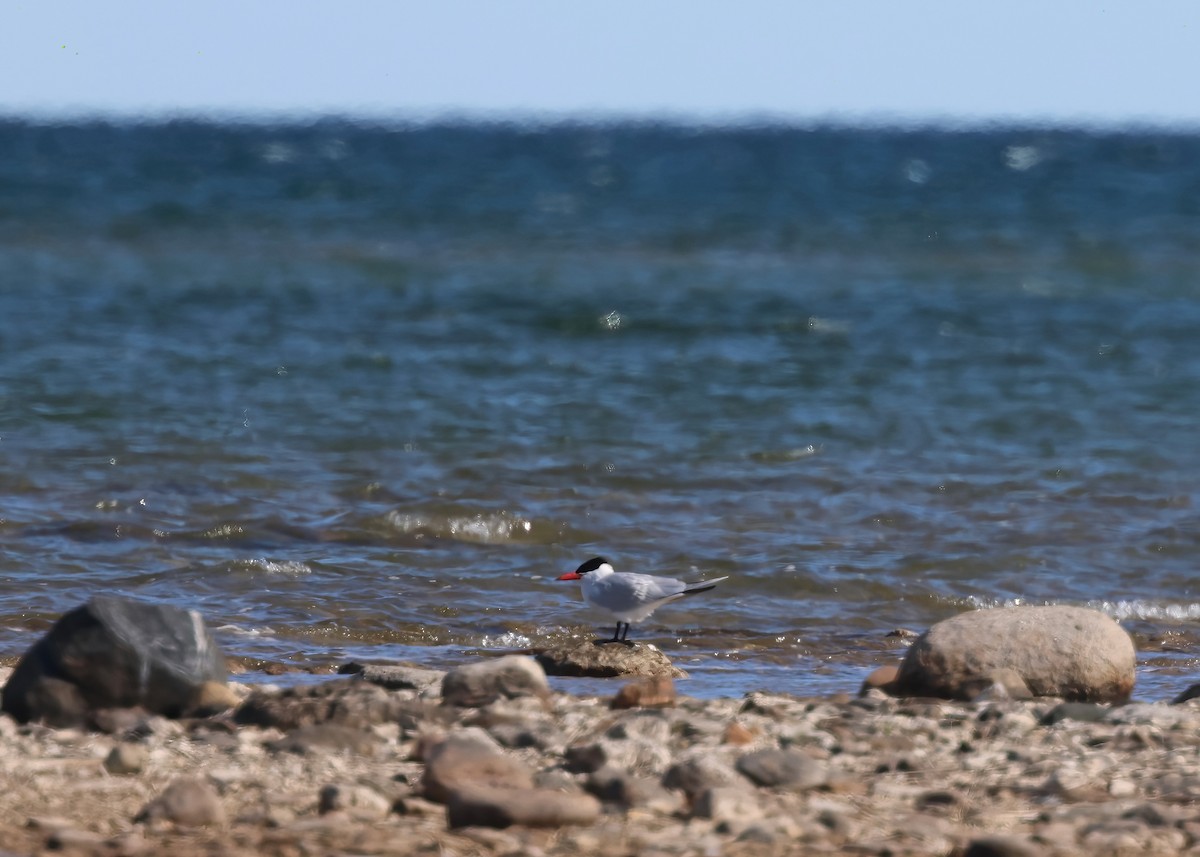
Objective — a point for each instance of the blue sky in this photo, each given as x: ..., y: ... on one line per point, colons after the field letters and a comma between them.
x: 1053, y: 61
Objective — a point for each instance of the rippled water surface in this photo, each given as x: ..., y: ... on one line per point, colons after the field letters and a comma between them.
x: 364, y: 392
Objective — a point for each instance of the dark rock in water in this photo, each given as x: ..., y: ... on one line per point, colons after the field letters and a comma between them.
x: 1070, y: 652
x: 1190, y: 693
x: 606, y: 660
x: 118, y: 653
x: 503, y: 678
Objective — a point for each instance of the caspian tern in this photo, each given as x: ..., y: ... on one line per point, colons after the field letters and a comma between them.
x: 630, y: 597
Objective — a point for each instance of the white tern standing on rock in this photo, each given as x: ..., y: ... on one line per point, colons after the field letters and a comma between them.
x: 630, y: 597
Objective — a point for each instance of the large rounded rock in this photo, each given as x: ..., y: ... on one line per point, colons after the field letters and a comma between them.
x: 1070, y: 652
x: 119, y: 653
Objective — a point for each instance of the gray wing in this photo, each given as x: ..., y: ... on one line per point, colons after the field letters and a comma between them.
x: 627, y: 591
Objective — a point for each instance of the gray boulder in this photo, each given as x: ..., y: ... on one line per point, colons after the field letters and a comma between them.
x: 117, y: 653
x: 1069, y: 652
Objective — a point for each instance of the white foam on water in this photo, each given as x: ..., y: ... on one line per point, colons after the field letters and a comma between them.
x: 1120, y: 610
x: 241, y: 631
x: 482, y: 528
x: 510, y: 640
x: 290, y: 568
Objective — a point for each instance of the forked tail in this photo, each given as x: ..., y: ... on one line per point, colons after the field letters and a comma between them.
x: 703, y: 585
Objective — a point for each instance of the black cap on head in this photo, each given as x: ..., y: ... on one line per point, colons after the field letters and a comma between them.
x: 591, y: 565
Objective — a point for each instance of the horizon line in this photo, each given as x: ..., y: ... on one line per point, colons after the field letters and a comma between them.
x: 715, y: 120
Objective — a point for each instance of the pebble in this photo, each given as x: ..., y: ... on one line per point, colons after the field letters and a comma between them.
x: 789, y: 769
x: 698, y: 773
x: 126, y: 759
x: 738, y: 735
x: 652, y: 692
x: 213, y: 697
x: 325, y: 737
x: 728, y: 804
x: 491, y: 806
x: 464, y: 761
x: 188, y: 802
x: 1000, y: 846
x: 569, y: 776
x: 359, y: 800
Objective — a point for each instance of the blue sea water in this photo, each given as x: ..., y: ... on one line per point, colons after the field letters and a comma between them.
x: 364, y: 391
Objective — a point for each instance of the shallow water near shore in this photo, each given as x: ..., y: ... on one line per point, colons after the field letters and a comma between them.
x: 364, y: 392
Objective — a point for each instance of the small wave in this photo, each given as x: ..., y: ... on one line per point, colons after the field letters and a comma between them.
x: 783, y: 455
x: 1120, y: 610
x: 482, y: 528
x: 828, y: 326
x: 290, y: 568
x: 246, y: 632
x: 977, y: 602
x: 510, y: 640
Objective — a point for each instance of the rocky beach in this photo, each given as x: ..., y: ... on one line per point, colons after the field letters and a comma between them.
x: 491, y: 759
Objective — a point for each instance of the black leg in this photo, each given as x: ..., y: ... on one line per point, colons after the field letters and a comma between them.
x: 620, y: 634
